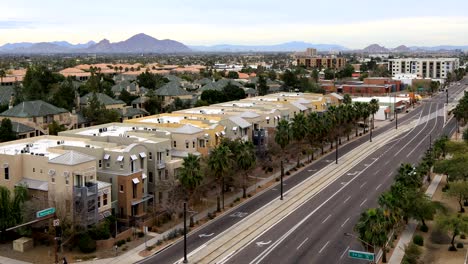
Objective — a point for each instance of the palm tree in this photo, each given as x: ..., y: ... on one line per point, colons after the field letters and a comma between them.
x: 408, y: 176
x: 219, y: 163
x: 373, y: 227
x: 245, y: 160
x: 190, y: 177
x: 313, y: 130
x: 374, y: 108
x: 347, y: 99
x: 282, y: 138
x: 299, y: 131
x: 440, y: 146
x: 358, y: 110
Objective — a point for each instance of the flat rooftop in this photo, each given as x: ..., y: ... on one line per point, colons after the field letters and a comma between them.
x: 41, y: 146
x: 118, y: 131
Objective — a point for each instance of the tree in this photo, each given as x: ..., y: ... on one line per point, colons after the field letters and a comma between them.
x: 10, y: 207
x: 289, y: 79
x: 440, y: 146
x: 315, y: 75
x: 190, y: 176
x: 55, y: 128
x: 219, y: 163
x: 262, y: 85
x: 272, y: 75
x: 151, y: 81
x: 245, y: 158
x: 347, y: 99
x: 465, y: 135
x: 459, y: 190
x: 127, y: 97
x: 6, y: 130
x: 421, y: 207
x: 374, y: 108
x: 96, y: 113
x: 38, y: 81
x: 329, y: 74
x: 299, y: 130
x: 283, y: 137
x: 408, y: 176
x: 233, y: 92
x: 454, y: 223
x: 233, y: 75
x: 373, y: 227
x: 313, y: 131
x: 64, y: 97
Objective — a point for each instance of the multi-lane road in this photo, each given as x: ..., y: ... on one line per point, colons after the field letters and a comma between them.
x: 313, y: 232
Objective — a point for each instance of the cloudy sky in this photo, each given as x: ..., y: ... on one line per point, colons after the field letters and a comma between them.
x: 354, y: 24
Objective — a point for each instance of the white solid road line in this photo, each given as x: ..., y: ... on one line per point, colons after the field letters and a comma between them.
x: 324, y: 246
x: 378, y: 186
x: 326, y: 219
x: 300, y: 245
x: 365, y: 200
x: 424, y: 139
x: 344, y: 223
x: 362, y: 185
x: 344, y: 252
x: 347, y: 199
x: 191, y: 253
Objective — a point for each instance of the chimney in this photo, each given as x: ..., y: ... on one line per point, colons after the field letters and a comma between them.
x: 12, y: 101
x: 74, y: 110
x: 137, y: 88
x: 77, y: 99
x: 128, y: 88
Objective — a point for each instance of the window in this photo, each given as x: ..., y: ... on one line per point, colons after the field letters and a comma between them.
x: 104, y: 199
x: 34, y: 169
x: 160, y: 175
x: 166, y: 174
x: 134, y: 190
x: 99, y: 202
x: 7, y: 173
x: 52, y: 179
x: 186, y: 144
x: 193, y: 144
x: 67, y: 180
x: 121, y: 188
x: 100, y: 163
x: 175, y: 143
x: 121, y: 165
x: 167, y: 152
x: 160, y: 197
x: 150, y: 155
x: 150, y: 176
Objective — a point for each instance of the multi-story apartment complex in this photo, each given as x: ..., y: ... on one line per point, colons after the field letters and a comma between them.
x: 434, y: 68
x: 321, y: 62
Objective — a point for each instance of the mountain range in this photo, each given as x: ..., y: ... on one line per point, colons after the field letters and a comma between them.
x: 142, y: 43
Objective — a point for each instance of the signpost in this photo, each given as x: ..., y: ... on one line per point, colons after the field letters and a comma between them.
x: 45, y: 212
x: 361, y: 255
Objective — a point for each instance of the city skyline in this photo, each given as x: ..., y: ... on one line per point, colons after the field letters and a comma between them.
x: 354, y: 25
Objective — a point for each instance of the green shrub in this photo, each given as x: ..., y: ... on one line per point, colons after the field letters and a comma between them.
x: 418, y: 240
x: 424, y: 228
x: 86, y: 244
x: 141, y: 234
x: 100, y: 231
x: 129, y: 239
x: 412, y: 254
x: 288, y: 173
x: 459, y: 245
x: 158, y: 243
x: 120, y: 242
x: 149, y: 248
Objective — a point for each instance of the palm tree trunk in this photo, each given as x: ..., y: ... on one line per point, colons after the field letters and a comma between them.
x: 218, y: 200
x: 222, y: 192
x: 244, y: 189
x: 453, y: 240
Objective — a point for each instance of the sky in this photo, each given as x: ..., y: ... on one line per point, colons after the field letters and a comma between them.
x: 353, y: 24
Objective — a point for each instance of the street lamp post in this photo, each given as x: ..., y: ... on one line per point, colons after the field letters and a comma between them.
x: 336, y: 150
x: 396, y: 119
x: 185, y: 232
x: 370, y: 135
x: 281, y: 183
x: 367, y: 244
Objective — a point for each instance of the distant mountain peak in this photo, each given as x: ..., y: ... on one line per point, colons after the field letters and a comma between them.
x: 375, y: 48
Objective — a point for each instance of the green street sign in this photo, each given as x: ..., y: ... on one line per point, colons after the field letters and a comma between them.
x: 45, y: 212
x: 361, y: 255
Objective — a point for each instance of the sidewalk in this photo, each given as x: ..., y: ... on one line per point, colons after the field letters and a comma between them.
x: 11, y: 261
x: 407, y: 234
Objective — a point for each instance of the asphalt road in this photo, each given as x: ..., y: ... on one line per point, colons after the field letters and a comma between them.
x: 332, y: 212
x: 315, y: 233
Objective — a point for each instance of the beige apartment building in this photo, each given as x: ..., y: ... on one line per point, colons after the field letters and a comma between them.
x: 56, y: 177
x: 337, y: 63
x: 434, y: 68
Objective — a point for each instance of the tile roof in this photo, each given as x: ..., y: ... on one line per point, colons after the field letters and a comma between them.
x: 33, y: 109
x: 5, y: 94
x: 249, y: 114
x: 211, y: 86
x: 171, y: 88
x: 131, y: 112
x: 72, y: 158
x: 20, y: 128
x: 102, y: 98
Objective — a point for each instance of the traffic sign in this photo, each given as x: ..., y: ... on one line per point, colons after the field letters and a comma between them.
x: 56, y: 222
x: 361, y: 255
x: 45, y: 212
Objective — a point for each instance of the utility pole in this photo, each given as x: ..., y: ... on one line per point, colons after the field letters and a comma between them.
x: 281, y: 183
x: 370, y: 135
x: 185, y: 232
x: 396, y: 119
